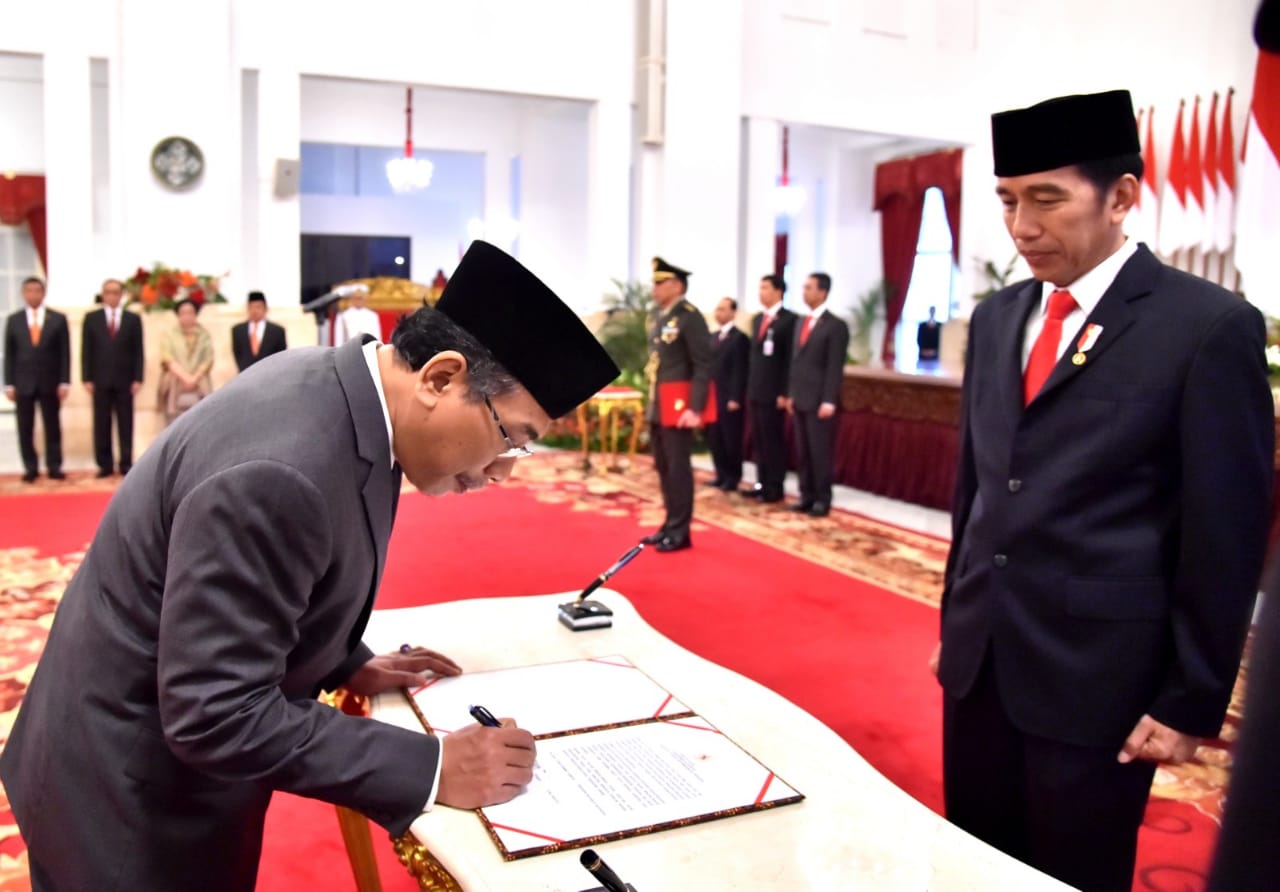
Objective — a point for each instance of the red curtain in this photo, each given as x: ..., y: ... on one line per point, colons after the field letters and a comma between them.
x: 899, y: 197
x: 22, y: 199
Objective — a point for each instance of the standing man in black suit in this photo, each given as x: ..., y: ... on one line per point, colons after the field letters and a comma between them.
x: 37, y: 370
x: 256, y: 338
x: 772, y: 331
x: 817, y: 374
x: 1111, y: 511
x: 111, y: 365
x: 731, y: 350
x: 679, y: 370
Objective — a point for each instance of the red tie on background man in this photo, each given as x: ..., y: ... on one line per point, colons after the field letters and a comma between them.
x: 111, y: 322
x: 764, y: 326
x: 1044, y: 353
x: 808, y: 327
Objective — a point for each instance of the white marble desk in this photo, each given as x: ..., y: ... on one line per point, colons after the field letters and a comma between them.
x: 855, y: 830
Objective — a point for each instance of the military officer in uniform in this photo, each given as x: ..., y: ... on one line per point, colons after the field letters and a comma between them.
x: 679, y: 372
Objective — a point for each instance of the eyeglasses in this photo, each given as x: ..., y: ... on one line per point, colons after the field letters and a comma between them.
x: 512, y: 450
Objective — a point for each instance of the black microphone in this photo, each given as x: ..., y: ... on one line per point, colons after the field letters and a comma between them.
x: 601, y: 871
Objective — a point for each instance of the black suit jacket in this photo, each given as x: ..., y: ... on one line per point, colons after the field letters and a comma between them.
x: 111, y: 362
x: 37, y: 370
x: 273, y: 341
x: 1108, y: 538
x: 729, y: 368
x: 817, y: 368
x: 229, y: 581
x: 767, y: 374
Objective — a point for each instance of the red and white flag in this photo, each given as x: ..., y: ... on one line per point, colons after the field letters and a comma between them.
x: 1143, y: 216
x: 1173, y: 198
x: 1195, y: 183
x: 1209, y: 162
x: 1257, y: 208
x: 1224, y: 222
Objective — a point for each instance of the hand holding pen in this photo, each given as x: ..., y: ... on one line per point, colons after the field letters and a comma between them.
x: 485, y: 763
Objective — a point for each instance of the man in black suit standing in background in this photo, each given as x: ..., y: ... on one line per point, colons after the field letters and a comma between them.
x: 256, y: 338
x: 770, y: 362
x: 817, y: 373
x: 111, y: 365
x: 729, y: 372
x: 37, y: 370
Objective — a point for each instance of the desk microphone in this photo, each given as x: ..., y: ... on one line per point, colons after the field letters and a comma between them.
x: 609, y: 880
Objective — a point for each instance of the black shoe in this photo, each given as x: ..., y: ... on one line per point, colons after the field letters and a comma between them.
x: 819, y: 509
x: 57, y: 475
x: 102, y: 474
x: 654, y: 538
x: 751, y: 492
x: 29, y: 477
x: 801, y: 507
x: 771, y: 498
x: 670, y: 544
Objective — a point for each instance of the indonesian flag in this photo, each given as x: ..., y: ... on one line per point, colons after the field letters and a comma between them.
x: 1257, y: 209
x: 1224, y: 222
x: 1173, y: 199
x: 1195, y: 220
x: 1210, y: 164
x: 1144, y: 215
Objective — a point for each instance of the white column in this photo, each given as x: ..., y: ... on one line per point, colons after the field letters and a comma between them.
x: 278, y: 248
x: 702, y: 147
x: 167, y: 90
x: 68, y: 166
x: 763, y: 141
x: 608, y: 194
x: 497, y: 200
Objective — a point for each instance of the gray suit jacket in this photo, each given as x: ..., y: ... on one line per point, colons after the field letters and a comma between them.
x: 229, y: 581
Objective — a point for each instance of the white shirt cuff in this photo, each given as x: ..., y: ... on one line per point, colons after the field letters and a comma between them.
x: 435, y: 784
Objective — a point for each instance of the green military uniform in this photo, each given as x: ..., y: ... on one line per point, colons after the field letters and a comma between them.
x: 679, y: 351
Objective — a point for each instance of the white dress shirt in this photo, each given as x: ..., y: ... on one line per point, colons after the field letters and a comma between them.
x: 1087, y: 290
x: 371, y: 360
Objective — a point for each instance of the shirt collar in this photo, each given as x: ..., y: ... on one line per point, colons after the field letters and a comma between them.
x: 1089, y: 288
x: 772, y: 311
x: 726, y: 328
x: 370, y: 351
x: 818, y: 310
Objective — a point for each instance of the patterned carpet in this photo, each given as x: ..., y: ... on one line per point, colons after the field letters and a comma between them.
x: 898, y: 560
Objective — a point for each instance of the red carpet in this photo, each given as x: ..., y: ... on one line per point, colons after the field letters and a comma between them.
x: 851, y: 654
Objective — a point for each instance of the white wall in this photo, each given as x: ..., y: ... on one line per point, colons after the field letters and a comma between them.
x: 21, y: 114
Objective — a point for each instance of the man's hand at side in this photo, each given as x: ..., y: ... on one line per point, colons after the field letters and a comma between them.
x: 485, y: 766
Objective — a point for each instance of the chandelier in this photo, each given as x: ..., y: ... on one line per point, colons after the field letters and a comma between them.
x: 788, y: 199
x: 407, y: 173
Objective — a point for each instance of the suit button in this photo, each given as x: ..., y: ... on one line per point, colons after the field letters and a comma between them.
x: 1000, y: 560
x: 1015, y: 485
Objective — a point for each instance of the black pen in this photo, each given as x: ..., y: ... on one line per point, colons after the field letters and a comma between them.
x: 608, y: 879
x: 604, y: 577
x: 484, y: 717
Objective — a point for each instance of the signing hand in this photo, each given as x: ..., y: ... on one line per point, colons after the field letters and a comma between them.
x: 484, y: 766
x: 689, y: 418
x: 387, y: 672
x: 1155, y: 742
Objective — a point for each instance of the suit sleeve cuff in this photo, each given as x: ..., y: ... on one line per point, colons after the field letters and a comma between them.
x: 435, y: 784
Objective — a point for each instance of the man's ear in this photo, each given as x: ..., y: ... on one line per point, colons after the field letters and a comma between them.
x: 445, y: 370
x: 1124, y: 194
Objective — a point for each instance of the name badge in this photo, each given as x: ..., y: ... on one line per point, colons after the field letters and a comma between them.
x: 767, y: 349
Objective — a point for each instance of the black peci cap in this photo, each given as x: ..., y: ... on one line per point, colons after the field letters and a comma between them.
x: 527, y: 328
x: 1064, y: 131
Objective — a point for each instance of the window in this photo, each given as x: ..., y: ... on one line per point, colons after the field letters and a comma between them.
x: 932, y: 278
x: 17, y: 261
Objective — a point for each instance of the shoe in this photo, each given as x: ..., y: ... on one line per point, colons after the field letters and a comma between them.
x: 654, y: 538
x: 29, y: 477
x: 771, y: 498
x: 57, y: 475
x: 716, y: 483
x: 729, y: 487
x: 819, y: 509
x: 670, y: 544
x: 102, y: 474
x: 751, y: 492
x: 801, y: 507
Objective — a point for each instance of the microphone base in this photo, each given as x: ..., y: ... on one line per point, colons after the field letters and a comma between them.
x: 579, y: 616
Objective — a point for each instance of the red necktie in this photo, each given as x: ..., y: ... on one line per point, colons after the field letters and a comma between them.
x: 764, y: 326
x: 808, y: 327
x: 111, y: 323
x: 1044, y: 353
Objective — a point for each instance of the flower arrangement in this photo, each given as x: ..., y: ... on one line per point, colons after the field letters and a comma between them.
x: 162, y: 287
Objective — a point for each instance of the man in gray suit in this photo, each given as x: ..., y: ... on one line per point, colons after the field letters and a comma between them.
x: 230, y: 582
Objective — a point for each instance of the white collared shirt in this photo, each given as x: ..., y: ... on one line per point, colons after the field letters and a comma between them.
x: 817, y: 311
x: 113, y: 317
x: 724, y: 330
x: 36, y: 316
x: 370, y: 351
x: 1087, y: 290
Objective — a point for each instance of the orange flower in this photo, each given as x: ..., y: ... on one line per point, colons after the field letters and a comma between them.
x: 148, y: 295
x: 186, y: 278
